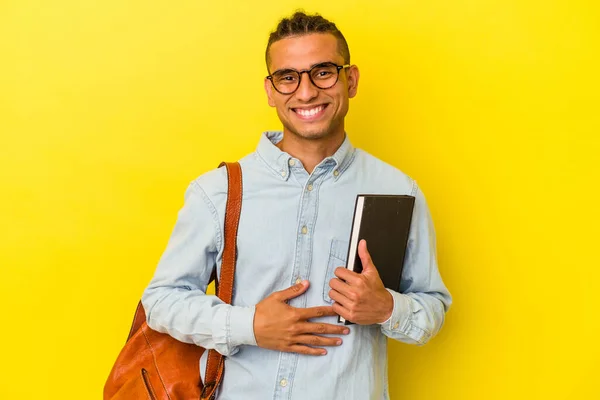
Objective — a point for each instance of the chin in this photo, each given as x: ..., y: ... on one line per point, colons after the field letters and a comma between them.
x: 314, y: 135
x: 311, y: 134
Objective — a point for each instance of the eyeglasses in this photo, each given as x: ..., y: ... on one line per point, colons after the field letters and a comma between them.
x: 324, y: 76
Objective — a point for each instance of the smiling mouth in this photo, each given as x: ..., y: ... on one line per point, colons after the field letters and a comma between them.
x: 310, y: 113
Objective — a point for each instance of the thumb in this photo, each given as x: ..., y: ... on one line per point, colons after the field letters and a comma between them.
x: 365, y: 257
x: 293, y: 291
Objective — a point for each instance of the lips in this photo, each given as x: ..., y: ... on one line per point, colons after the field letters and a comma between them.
x: 310, y: 113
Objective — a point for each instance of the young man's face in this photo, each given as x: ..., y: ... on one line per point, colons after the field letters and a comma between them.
x: 311, y: 112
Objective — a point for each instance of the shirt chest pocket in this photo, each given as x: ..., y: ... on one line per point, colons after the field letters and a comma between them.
x: 338, y: 253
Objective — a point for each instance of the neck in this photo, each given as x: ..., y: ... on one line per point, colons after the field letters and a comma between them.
x: 310, y: 152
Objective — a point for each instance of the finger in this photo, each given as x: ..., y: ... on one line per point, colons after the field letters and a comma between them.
x: 339, y: 298
x: 345, y: 274
x: 365, y: 257
x: 315, y: 312
x: 323, y: 329
x: 300, y: 349
x: 341, y: 311
x: 340, y: 286
x: 318, y: 341
x: 291, y: 292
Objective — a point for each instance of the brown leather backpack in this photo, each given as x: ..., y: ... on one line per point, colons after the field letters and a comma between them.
x: 156, y: 366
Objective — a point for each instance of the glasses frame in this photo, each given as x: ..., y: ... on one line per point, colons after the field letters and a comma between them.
x: 308, y: 71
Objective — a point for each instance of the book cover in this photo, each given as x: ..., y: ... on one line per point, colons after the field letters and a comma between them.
x: 384, y: 222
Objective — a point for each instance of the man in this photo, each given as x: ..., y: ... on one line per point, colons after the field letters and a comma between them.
x: 281, y: 335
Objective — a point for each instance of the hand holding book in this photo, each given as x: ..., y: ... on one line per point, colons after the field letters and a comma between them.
x: 384, y: 221
x: 361, y: 297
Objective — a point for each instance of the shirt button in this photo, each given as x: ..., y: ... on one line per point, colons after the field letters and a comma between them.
x: 283, y: 382
x: 309, y: 188
x: 292, y: 162
x: 298, y: 280
x: 282, y: 173
x: 304, y: 230
x: 396, y: 325
x: 336, y: 172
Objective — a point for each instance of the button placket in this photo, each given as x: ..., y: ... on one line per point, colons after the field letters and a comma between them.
x: 285, y: 374
x: 301, y: 270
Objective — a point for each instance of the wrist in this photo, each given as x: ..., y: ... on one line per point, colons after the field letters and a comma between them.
x: 388, y: 309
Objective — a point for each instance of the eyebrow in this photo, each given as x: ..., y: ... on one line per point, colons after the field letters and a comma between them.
x: 287, y: 70
x: 283, y: 71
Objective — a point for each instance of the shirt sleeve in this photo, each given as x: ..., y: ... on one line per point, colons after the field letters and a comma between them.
x: 420, y: 308
x: 176, y: 302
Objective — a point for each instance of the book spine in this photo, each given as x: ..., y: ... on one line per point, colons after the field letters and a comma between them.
x: 353, y: 249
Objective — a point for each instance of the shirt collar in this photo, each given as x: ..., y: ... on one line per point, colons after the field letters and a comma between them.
x: 279, y: 161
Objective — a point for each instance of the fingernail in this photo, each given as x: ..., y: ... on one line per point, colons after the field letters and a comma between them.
x: 346, y: 331
x: 339, y: 342
x: 324, y: 352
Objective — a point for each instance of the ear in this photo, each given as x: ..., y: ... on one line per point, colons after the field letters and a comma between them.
x: 353, y: 76
x: 269, y: 91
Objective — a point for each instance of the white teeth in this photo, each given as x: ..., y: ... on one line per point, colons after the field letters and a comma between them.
x: 309, y: 113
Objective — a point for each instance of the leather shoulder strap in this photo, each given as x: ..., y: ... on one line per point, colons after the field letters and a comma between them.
x: 215, y: 364
x: 232, y: 219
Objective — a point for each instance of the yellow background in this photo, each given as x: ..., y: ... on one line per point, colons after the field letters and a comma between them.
x: 108, y: 109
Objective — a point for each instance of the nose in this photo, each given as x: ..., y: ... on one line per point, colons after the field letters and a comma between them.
x: 306, y: 90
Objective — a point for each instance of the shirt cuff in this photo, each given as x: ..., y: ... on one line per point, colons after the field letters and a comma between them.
x: 240, y: 326
x: 400, y: 314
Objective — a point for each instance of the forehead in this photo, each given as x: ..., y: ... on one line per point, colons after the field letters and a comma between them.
x: 302, y: 52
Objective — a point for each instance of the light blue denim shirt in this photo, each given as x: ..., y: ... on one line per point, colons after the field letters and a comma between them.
x: 293, y: 225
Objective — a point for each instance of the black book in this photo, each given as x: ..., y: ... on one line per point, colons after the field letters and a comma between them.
x: 384, y: 222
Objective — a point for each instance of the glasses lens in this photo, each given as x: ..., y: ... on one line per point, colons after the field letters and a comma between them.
x: 286, y: 81
x: 324, y: 76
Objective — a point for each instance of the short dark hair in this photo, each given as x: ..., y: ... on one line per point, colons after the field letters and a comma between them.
x: 301, y: 24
